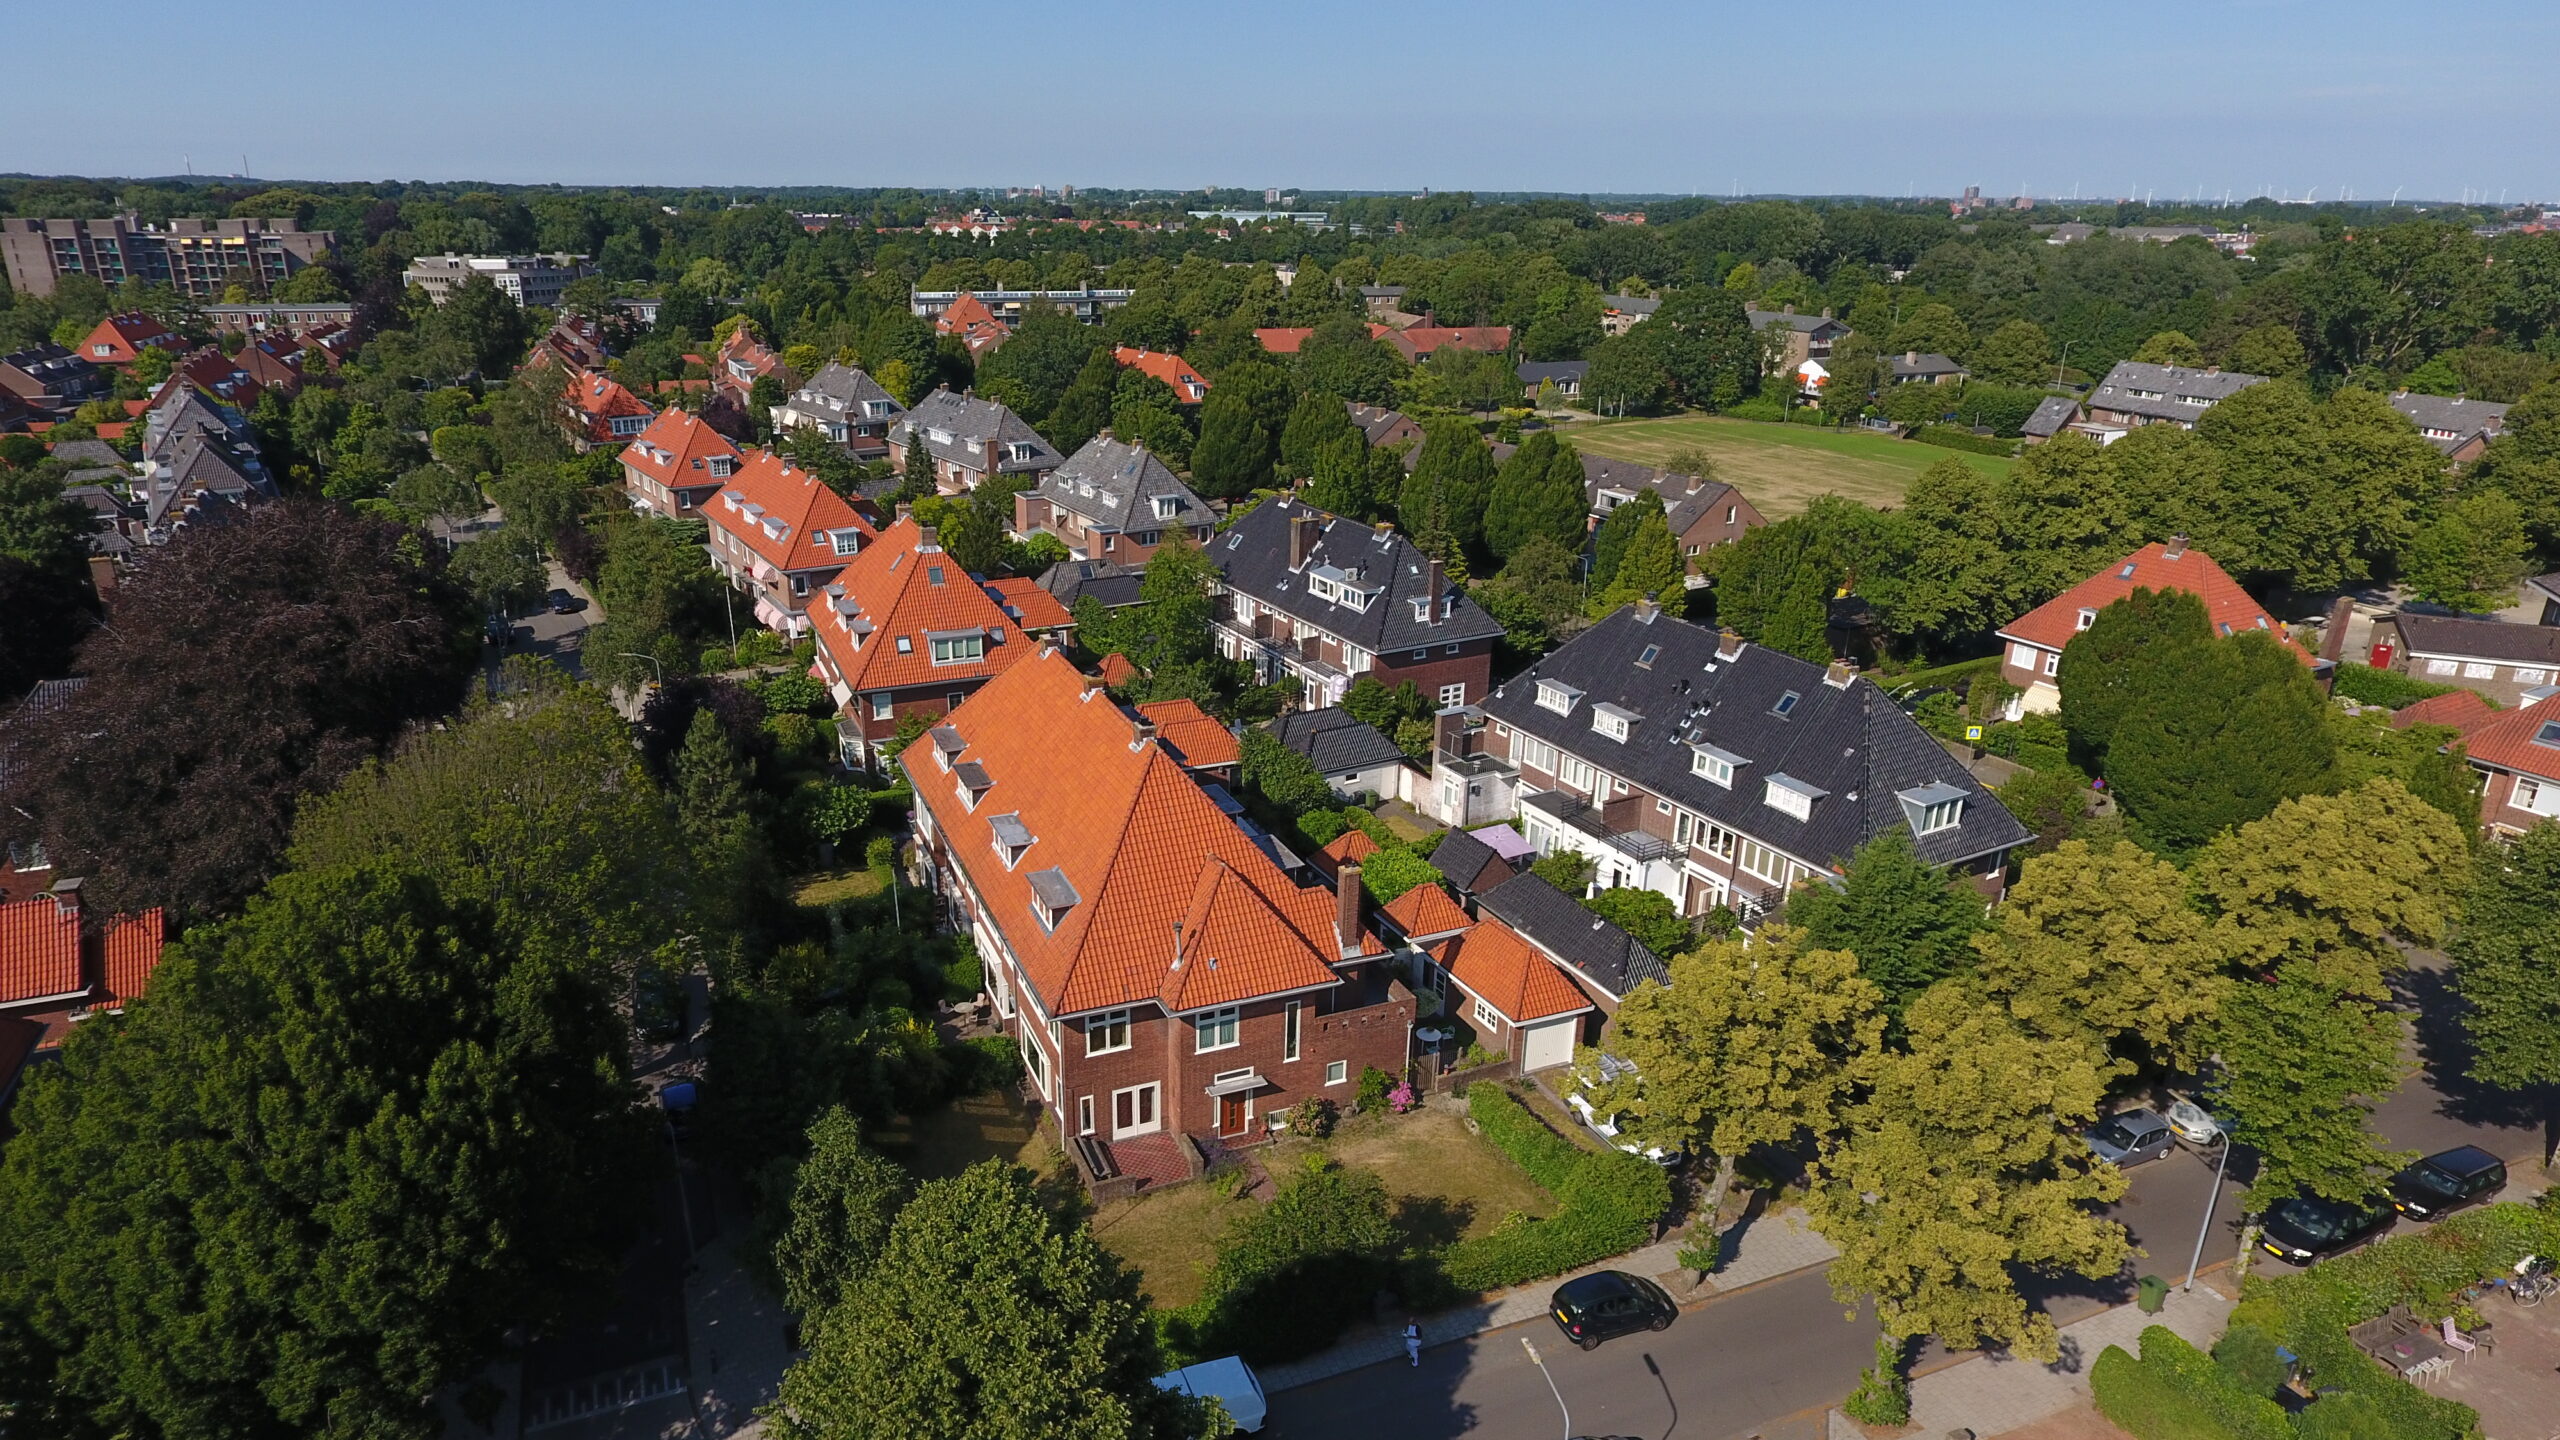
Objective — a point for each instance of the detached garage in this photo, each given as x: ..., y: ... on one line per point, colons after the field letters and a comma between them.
x: 1515, y: 999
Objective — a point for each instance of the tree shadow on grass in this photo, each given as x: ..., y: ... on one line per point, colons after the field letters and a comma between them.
x: 1430, y: 1223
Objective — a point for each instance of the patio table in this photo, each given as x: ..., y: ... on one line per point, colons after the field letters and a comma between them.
x: 2407, y: 1352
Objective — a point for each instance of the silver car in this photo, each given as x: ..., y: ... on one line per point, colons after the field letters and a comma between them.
x: 2129, y: 1137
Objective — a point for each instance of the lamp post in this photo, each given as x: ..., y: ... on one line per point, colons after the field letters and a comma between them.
x: 1551, y: 1385
x: 652, y: 659
x: 2210, y: 1205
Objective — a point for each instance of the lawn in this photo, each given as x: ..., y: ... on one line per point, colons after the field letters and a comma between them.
x: 1170, y: 1236
x: 992, y: 1125
x: 833, y: 887
x: 1780, y: 467
x: 1445, y: 1183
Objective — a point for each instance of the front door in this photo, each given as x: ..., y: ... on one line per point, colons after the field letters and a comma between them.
x: 1230, y: 1114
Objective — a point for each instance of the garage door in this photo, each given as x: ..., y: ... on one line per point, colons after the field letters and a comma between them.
x: 1547, y: 1045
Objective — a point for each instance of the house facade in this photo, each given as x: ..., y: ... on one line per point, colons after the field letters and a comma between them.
x: 48, y: 379
x: 1921, y: 367
x: 2135, y: 394
x: 1800, y: 338
x: 2459, y: 427
x: 969, y: 439
x: 2509, y: 664
x: 2518, y: 756
x: 676, y: 464
x: 1701, y: 514
x: 1313, y: 598
x: 778, y: 535
x: 845, y: 405
x: 525, y: 279
x: 595, y: 411
x: 1113, y: 502
x: 2031, y: 645
x: 1622, y: 313
x: 1720, y: 773
x: 1166, y: 983
x: 1513, y: 1000
x: 121, y: 339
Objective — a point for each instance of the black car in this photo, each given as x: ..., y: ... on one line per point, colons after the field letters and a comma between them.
x: 564, y: 603
x: 2306, y: 1227
x: 2445, y: 1182
x: 1602, y: 1306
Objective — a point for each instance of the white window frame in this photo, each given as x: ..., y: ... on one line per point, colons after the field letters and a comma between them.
x: 2023, y: 655
x: 2479, y: 670
x: 1147, y: 1097
x: 1557, y: 698
x: 959, y: 649
x: 1752, y: 850
x: 1572, y: 770
x: 1209, y: 1025
x: 1612, y: 726
x: 2443, y: 667
x: 1084, y: 1114
x: 1711, y: 769
x: 1337, y: 1072
x: 2052, y: 661
x: 1486, y: 1015
x: 1291, y: 1031
x: 883, y: 705
x: 1453, y: 695
x: 2534, y: 796
x: 1107, y: 1034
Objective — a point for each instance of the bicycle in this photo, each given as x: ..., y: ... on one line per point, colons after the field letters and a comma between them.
x: 2534, y: 1282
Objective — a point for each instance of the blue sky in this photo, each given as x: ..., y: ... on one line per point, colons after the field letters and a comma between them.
x: 1848, y: 96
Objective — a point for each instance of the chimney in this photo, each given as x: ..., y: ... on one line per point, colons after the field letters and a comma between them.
x: 1728, y: 643
x: 906, y: 511
x: 1431, y: 578
x: 1910, y: 357
x: 1346, y: 909
x: 1302, y: 540
x: 2177, y: 546
x: 928, y: 539
x: 1092, y: 687
x: 1788, y: 309
x: 1826, y: 312
x: 102, y: 573
x: 66, y: 895
x: 990, y: 447
x: 1838, y: 674
x: 1141, y: 730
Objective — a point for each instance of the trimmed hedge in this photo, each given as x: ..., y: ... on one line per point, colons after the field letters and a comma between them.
x: 2387, y: 688
x: 2175, y: 1391
x: 1610, y: 1202
x: 2147, y: 1402
x: 1956, y: 437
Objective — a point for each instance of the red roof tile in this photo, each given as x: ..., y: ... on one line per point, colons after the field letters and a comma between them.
x: 1283, y: 339
x: 1426, y: 910
x: 964, y: 313
x: 2464, y: 710
x: 676, y: 450
x: 133, y: 947
x: 125, y: 336
x: 877, y: 634
x: 1164, y: 365
x: 593, y: 400
x: 1117, y: 670
x: 2229, y: 608
x: 794, y: 517
x: 1495, y: 965
x: 1139, y: 843
x: 39, y: 949
x: 2509, y: 742
x: 1422, y: 340
x: 1031, y: 607
x: 1193, y: 735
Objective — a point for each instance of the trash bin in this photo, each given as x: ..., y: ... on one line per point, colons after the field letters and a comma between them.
x: 2151, y: 1293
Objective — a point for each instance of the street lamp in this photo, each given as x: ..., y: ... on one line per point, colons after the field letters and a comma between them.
x: 1551, y: 1385
x: 652, y: 659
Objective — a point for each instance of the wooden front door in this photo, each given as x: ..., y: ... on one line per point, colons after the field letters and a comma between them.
x: 1230, y: 1114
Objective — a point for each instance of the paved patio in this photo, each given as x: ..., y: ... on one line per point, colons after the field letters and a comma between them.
x: 2511, y: 1380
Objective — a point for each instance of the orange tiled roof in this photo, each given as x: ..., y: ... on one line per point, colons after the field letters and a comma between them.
x: 896, y: 593
x: 792, y: 500
x: 1193, y: 735
x: 1421, y: 340
x: 2229, y: 608
x: 1284, y: 339
x: 1031, y: 607
x: 132, y: 952
x: 1168, y: 367
x: 1426, y: 910
x: 1495, y: 965
x: 595, y: 399
x: 676, y: 450
x: 964, y: 314
x: 1141, y: 846
x: 1349, y: 847
x: 2464, y: 710
x: 39, y: 949
x: 1117, y: 669
x: 125, y: 335
x: 2508, y: 742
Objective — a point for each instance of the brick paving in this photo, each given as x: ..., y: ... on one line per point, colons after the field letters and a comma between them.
x: 1993, y: 1394
x: 735, y: 1341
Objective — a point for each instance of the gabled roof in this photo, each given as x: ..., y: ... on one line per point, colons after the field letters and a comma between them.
x: 39, y: 949
x: 1571, y: 935
x: 1138, y: 843
x: 2448, y: 421
x: 1422, y: 340
x: 879, y: 618
x: 1107, y: 583
x: 2462, y: 637
x: 132, y: 951
x: 1283, y: 339
x: 2462, y: 709
x: 596, y: 399
x: 843, y: 390
x: 1334, y: 742
x: 743, y: 348
x: 2227, y: 607
x: 1164, y: 365
x: 2167, y: 392
x: 1425, y: 911
x: 1637, y: 305
x: 1924, y: 362
x: 126, y: 334
x: 1686, y: 499
x: 1375, y: 421
x: 1253, y: 556
x: 676, y: 450
x: 1468, y: 862
x: 1814, y: 325
x: 1534, y: 371
x: 1031, y: 607
x: 1491, y: 962
x: 1351, y: 847
x: 211, y: 370
x: 1195, y: 737
x: 965, y: 311
x: 2526, y: 741
x: 1115, y: 485
x: 1847, y: 740
x: 2052, y: 414
x: 969, y: 423
x: 786, y: 515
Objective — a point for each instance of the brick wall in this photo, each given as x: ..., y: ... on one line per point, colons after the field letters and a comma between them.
x: 1471, y: 666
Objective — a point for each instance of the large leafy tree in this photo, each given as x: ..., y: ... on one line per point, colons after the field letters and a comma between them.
x: 984, y: 1316
x: 1706, y: 346
x: 844, y: 1199
x: 353, y: 1139
x: 1084, y: 407
x: 1909, y: 924
x: 1775, y: 584
x: 1442, y: 505
x: 2507, y: 963
x: 2523, y: 463
x: 2471, y: 555
x: 1043, y: 356
x: 2304, y: 1062
x: 1538, y: 493
x: 2018, y: 353
x: 1962, y: 1168
x: 1342, y: 358
x: 250, y: 665
x: 1316, y: 424
x: 2099, y: 942
x: 1235, y: 454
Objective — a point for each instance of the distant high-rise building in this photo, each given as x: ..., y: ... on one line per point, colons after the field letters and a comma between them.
x: 199, y: 258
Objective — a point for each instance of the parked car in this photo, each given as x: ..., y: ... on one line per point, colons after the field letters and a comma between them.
x: 1233, y: 1383
x: 2446, y: 1181
x: 2129, y: 1137
x: 2194, y: 1124
x: 2306, y: 1227
x: 564, y: 603
x: 1609, y: 1127
x: 1609, y: 1303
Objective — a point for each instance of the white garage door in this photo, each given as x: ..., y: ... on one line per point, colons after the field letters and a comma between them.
x: 1547, y: 1045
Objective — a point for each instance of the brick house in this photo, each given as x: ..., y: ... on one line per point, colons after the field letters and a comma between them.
x: 1801, y: 338
x: 1701, y: 513
x: 61, y: 964
x: 2518, y: 754
x: 1314, y: 598
x: 676, y: 464
x: 1169, y: 987
x: 1383, y: 427
x: 50, y: 380
x: 1419, y: 342
x: 2458, y: 426
x: 779, y: 535
x: 2135, y: 393
x: 2507, y: 663
x: 1511, y: 998
x: 2031, y: 645
x: 969, y: 439
x: 574, y: 342
x: 903, y: 631
x: 845, y: 405
x: 1622, y: 313
x: 595, y: 410
x: 968, y: 317
x: 1713, y: 771
x: 1112, y: 501
x: 121, y: 339
x: 742, y: 361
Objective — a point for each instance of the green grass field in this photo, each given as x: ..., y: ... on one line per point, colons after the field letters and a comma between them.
x: 1780, y: 467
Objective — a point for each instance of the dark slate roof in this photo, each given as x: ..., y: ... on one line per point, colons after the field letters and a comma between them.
x: 1114, y: 485
x: 1632, y: 304
x: 843, y: 391
x: 2467, y: 638
x: 1851, y: 741
x: 971, y: 422
x: 1112, y: 585
x: 1686, y: 499
x: 1809, y: 324
x: 2052, y: 414
x: 1561, y: 926
x: 1533, y: 371
x: 2547, y: 584
x: 80, y: 454
x: 1464, y: 859
x: 1335, y: 743
x: 2168, y: 383
x: 2457, y: 418
x: 1374, y: 421
x: 1254, y: 558
x: 1925, y: 363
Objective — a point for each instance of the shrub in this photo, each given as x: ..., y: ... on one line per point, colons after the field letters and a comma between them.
x: 882, y: 853
x: 1703, y: 1249
x: 1290, y: 1275
x: 1315, y: 1118
x: 1372, y: 1095
x: 2248, y: 1356
x: 2144, y: 1404
x: 1951, y: 437
x: 1883, y: 1396
x: 2387, y: 688
x: 1759, y: 407
x: 1610, y: 1202
x: 2174, y: 1393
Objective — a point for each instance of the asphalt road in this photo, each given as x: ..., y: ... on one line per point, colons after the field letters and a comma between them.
x: 1764, y: 1361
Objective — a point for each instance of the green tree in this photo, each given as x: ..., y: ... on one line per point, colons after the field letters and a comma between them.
x: 1649, y: 565
x: 1235, y: 454
x: 1964, y: 1167
x: 985, y: 1317
x: 1393, y: 871
x: 1706, y: 346
x: 2170, y: 347
x: 38, y: 525
x: 2099, y: 942
x: 1909, y: 924
x: 2018, y: 353
x: 1290, y: 1275
x: 1443, y: 500
x: 2472, y: 555
x: 916, y: 476
x: 1282, y: 775
x: 1537, y: 597
x: 1932, y: 329
x: 2523, y: 463
x: 2107, y: 666
x: 1617, y: 531
x: 1627, y: 374
x: 843, y: 1201
x: 1775, y: 584
x: 2220, y: 742
x: 2507, y: 964
x: 1317, y: 423
x: 1339, y: 483
x: 2303, y: 1064
x: 1648, y: 915
x: 2271, y: 350
x: 712, y: 810
x: 1537, y: 493
x: 486, y: 328
x: 1084, y: 407
x: 1342, y: 358
x: 503, y: 572
x: 384, y: 1126
x: 1045, y: 355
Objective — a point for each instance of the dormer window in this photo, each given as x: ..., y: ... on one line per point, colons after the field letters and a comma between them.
x: 1012, y: 838
x: 1051, y: 897
x: 1613, y: 721
x: 2088, y: 617
x: 1713, y: 764
x: 1557, y: 696
x: 845, y: 542
x: 1019, y: 450
x: 1168, y: 506
x: 959, y: 648
x: 1788, y: 795
x: 973, y: 782
x: 722, y: 466
x: 1932, y: 807
x: 947, y: 745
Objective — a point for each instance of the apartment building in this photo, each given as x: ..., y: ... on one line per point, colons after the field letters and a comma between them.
x: 1320, y: 600
x: 525, y: 279
x: 198, y: 258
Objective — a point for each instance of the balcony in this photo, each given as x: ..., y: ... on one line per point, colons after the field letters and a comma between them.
x: 1582, y: 817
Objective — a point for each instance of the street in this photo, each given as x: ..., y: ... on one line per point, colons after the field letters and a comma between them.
x: 1758, y: 1361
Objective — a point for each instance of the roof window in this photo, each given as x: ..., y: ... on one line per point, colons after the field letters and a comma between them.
x: 1651, y: 654
x: 2549, y: 734
x: 1786, y: 705
x: 2127, y: 572
x: 1557, y: 696
x: 1932, y: 807
x: 1051, y: 897
x: 1788, y: 795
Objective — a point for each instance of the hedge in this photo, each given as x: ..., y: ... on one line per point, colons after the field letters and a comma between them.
x: 2387, y: 688
x: 1610, y: 1202
x: 1954, y: 437
x: 2174, y: 1392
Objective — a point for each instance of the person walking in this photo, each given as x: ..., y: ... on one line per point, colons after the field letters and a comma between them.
x: 1413, y: 1341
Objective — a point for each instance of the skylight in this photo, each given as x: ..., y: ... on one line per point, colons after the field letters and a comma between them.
x: 1651, y: 654
x: 1786, y: 705
x: 2549, y: 734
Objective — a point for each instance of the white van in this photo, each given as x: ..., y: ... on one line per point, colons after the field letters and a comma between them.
x: 1232, y: 1381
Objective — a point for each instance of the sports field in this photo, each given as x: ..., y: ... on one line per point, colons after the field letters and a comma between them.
x: 1781, y: 467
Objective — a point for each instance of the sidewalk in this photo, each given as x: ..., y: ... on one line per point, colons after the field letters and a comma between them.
x: 1764, y: 1249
